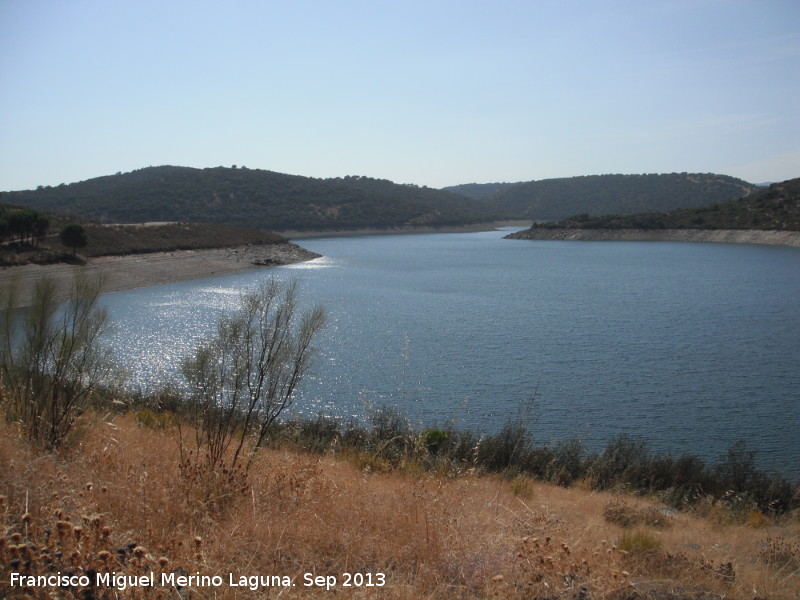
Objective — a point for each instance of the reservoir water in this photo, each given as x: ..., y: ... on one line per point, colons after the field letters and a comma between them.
x: 688, y: 346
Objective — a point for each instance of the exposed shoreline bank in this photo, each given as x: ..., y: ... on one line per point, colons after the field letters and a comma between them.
x: 726, y: 236
x: 144, y: 270
x: 409, y: 230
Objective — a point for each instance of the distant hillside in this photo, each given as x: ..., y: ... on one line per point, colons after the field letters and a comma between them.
x: 776, y: 208
x: 253, y: 198
x: 553, y: 199
x: 277, y: 202
x: 478, y: 191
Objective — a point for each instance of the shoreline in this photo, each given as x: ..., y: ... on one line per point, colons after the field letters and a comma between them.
x: 725, y: 236
x: 144, y: 270
x: 406, y: 230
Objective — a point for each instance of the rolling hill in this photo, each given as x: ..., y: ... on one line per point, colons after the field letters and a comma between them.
x: 553, y: 199
x: 254, y: 198
x: 776, y: 208
x: 278, y: 202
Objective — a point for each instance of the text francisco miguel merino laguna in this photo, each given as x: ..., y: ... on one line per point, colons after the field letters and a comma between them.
x: 181, y: 580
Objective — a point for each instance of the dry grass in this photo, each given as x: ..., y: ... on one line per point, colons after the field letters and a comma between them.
x: 137, y: 239
x: 120, y: 503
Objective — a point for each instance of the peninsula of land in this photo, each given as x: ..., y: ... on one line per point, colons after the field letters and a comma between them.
x: 728, y: 236
x: 141, y: 270
x: 768, y: 216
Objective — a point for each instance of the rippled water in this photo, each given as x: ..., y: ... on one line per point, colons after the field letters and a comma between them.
x: 689, y: 346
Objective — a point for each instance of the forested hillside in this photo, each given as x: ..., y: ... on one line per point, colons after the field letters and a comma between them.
x: 776, y: 208
x: 277, y: 202
x: 253, y: 198
x: 553, y: 199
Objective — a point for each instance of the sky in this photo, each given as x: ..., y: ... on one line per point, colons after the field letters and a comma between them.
x: 426, y: 92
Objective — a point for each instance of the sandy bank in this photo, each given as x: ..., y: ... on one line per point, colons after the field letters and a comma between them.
x: 141, y: 270
x: 729, y: 236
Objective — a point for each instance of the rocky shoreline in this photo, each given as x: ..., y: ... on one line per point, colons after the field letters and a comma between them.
x: 728, y: 236
x: 142, y: 270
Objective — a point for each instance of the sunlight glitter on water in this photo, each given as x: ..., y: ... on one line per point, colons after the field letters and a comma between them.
x: 322, y: 262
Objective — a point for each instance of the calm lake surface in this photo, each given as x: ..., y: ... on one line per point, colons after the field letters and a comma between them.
x: 688, y: 346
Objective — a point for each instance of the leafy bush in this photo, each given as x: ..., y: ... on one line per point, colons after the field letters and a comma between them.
x: 505, y: 449
x: 568, y: 462
x: 316, y: 435
x: 434, y: 440
x: 622, y: 461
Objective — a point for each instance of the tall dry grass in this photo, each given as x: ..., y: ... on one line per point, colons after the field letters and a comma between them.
x: 120, y: 502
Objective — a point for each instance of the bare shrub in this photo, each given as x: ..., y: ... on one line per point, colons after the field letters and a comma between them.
x: 623, y: 514
x: 242, y: 379
x: 620, y: 513
x: 781, y: 554
x: 55, y: 362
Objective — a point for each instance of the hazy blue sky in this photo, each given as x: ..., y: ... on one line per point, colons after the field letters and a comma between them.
x: 417, y: 91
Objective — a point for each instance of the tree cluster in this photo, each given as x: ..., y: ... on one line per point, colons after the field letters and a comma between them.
x: 26, y: 226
